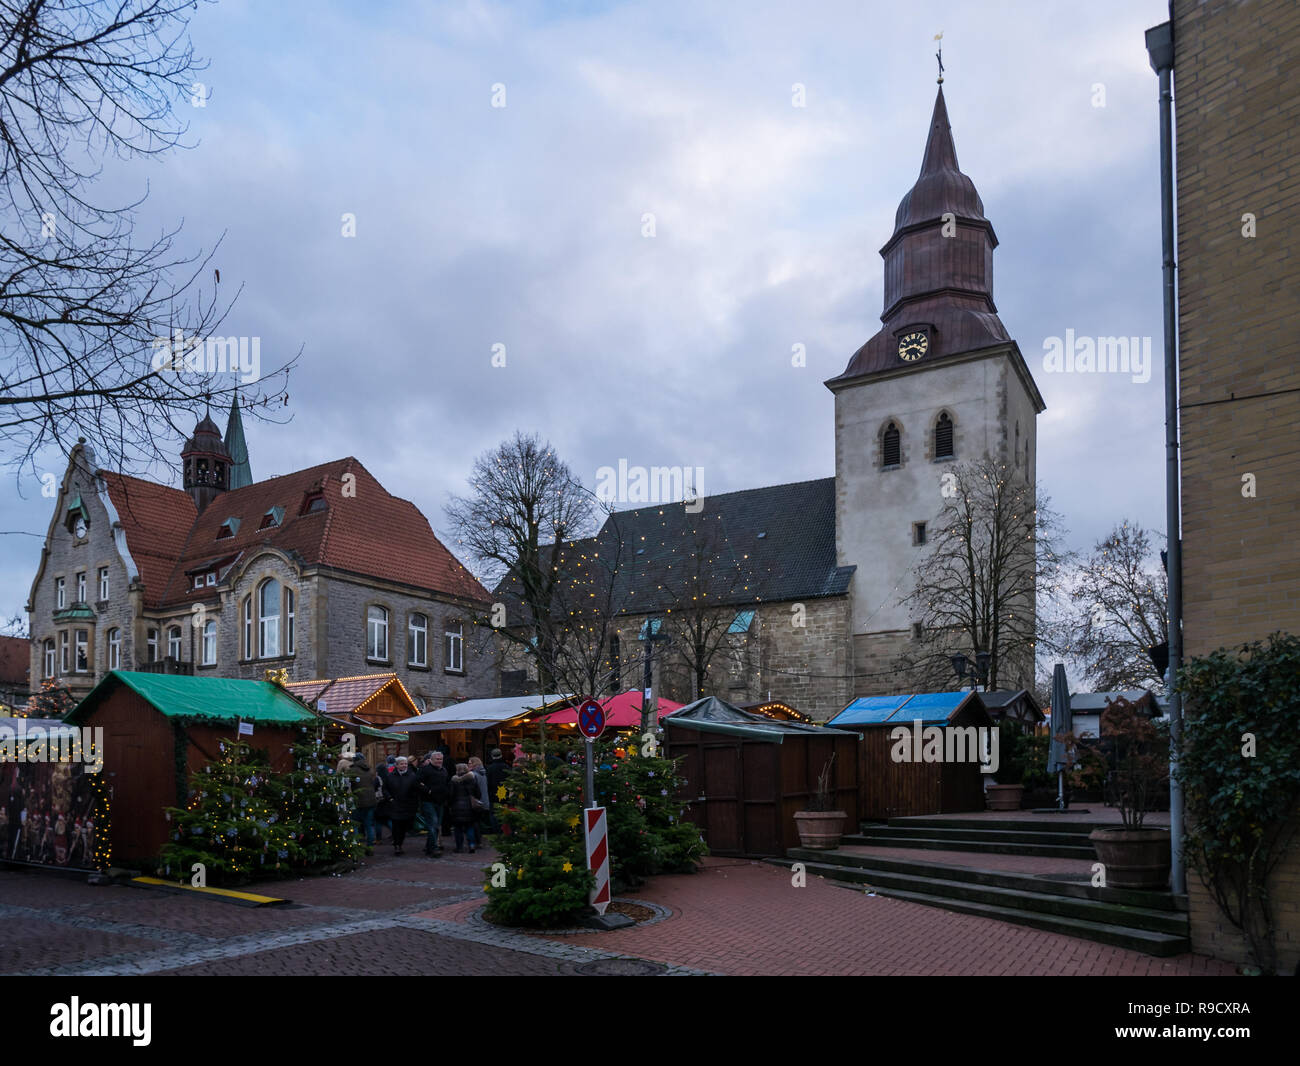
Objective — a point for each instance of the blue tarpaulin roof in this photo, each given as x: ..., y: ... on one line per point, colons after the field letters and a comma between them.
x: 930, y: 707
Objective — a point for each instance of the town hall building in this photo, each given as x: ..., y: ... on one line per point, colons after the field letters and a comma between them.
x: 320, y: 573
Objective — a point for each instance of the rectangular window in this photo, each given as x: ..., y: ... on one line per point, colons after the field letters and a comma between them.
x: 212, y: 577
x: 210, y: 643
x: 103, y: 583
x: 417, y: 642
x: 65, y: 655
x: 918, y: 532
x: 81, y: 587
x: 288, y: 621
x: 115, y: 649
x: 49, y: 658
x: 151, y: 642
x: 174, y: 643
x: 198, y: 581
x: 453, y: 646
x: 83, y: 651
x: 60, y: 595
x: 248, y: 627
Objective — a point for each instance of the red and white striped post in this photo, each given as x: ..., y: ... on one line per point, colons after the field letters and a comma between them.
x: 598, y: 856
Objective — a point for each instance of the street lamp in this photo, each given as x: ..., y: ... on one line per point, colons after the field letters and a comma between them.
x: 979, y: 674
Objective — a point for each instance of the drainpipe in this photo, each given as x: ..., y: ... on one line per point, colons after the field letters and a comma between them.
x: 1160, y: 50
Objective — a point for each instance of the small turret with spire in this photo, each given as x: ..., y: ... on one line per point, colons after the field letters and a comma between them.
x: 205, y: 463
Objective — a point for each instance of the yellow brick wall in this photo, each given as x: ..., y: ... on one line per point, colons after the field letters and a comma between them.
x: 1237, y: 111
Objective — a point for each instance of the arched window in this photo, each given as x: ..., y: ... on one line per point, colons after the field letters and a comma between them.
x: 892, y: 450
x: 209, y: 643
x: 377, y: 633
x: 943, y: 448
x: 417, y: 640
x: 115, y: 649
x: 174, y: 643
x: 268, y: 619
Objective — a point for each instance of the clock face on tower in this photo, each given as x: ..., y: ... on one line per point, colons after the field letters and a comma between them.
x: 911, y: 346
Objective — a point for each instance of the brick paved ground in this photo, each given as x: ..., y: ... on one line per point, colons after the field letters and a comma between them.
x: 734, y: 917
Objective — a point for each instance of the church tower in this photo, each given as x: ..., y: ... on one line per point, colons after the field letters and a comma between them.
x: 941, y: 382
x: 205, y: 464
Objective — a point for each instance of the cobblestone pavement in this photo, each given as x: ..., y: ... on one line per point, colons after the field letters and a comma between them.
x: 734, y: 917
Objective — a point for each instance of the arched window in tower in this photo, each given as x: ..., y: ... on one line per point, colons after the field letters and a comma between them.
x: 943, y: 448
x: 891, y: 453
x: 268, y: 619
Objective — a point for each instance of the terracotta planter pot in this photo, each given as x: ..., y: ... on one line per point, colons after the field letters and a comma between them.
x: 820, y: 829
x: 1134, y: 858
x: 1004, y: 797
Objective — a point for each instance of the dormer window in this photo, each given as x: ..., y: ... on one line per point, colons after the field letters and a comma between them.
x: 312, y: 503
x: 198, y: 581
x: 273, y: 517
x: 228, y: 528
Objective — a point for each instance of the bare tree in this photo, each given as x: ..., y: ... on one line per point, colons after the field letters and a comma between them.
x: 976, y: 585
x: 101, y: 336
x: 524, y: 502
x: 1116, y: 611
x: 700, y: 582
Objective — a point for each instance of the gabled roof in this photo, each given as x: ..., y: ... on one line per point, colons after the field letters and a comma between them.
x: 362, y: 530
x: 184, y: 696
x: 929, y: 708
x: 348, y: 697
x: 157, y: 519
x: 712, y: 715
x: 15, y: 660
x: 769, y: 544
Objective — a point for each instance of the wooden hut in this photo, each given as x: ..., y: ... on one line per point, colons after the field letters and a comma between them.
x: 159, y: 729
x: 747, y: 774
x: 891, y: 786
x: 366, y: 705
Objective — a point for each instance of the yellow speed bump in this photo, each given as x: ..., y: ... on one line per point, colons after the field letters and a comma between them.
x: 225, y: 895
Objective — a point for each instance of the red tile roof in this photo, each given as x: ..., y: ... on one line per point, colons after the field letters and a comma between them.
x: 363, y: 530
x: 348, y: 696
x: 157, y: 519
x: 15, y: 660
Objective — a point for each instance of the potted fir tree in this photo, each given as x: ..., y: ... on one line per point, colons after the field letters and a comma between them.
x: 820, y: 826
x: 1010, y: 775
x: 1134, y: 856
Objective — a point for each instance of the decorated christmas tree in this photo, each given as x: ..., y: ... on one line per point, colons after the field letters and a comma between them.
x: 318, y: 803
x: 233, y: 824
x: 53, y: 701
x: 541, y: 877
x: 648, y: 832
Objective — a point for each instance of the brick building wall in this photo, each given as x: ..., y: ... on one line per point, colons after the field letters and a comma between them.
x: 1237, y: 114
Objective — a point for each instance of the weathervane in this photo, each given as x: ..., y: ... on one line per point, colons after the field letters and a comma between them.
x: 939, y: 54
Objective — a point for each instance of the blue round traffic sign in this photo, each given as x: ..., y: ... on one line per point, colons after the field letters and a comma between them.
x: 591, y: 719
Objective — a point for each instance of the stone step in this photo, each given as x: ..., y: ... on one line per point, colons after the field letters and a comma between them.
x: 1009, y: 822
x: 1139, y: 910
x: 1100, y: 927
x: 1010, y: 836
x: 974, y: 842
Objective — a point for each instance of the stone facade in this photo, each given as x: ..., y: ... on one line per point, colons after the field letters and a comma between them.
x: 1236, y: 120
x: 329, y: 627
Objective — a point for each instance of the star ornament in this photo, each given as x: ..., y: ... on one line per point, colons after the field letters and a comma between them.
x: 573, y: 822
x: 501, y: 792
x: 567, y: 867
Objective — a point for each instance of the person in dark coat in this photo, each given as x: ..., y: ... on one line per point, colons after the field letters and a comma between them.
x: 464, y: 794
x: 448, y: 764
x: 403, y: 789
x: 366, y: 797
x: 435, y: 789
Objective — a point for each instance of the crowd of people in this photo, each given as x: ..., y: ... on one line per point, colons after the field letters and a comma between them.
x: 450, y: 800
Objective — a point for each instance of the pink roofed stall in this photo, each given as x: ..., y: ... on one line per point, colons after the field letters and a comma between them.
x: 622, y: 711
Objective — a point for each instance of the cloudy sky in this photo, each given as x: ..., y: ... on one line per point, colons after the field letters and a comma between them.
x: 522, y: 226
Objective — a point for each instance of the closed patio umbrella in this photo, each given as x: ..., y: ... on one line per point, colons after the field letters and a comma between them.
x: 1061, y: 723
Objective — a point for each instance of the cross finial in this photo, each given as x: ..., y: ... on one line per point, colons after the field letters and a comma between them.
x: 939, y: 54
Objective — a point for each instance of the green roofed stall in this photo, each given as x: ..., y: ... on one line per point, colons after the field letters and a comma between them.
x: 217, y: 698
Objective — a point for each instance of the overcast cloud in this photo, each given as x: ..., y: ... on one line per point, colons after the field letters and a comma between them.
x: 522, y: 226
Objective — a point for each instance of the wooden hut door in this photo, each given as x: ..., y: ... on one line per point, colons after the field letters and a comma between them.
x: 722, y: 784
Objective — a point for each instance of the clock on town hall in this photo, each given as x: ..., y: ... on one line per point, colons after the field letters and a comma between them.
x: 913, y: 345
